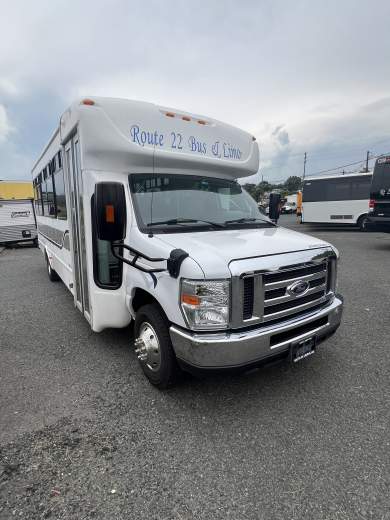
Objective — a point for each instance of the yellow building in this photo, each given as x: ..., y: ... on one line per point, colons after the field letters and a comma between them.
x: 10, y: 190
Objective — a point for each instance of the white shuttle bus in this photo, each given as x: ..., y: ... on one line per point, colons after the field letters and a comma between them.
x: 337, y: 199
x: 141, y: 216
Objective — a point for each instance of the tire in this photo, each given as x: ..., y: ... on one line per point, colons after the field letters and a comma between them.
x: 154, y: 347
x: 363, y: 223
x: 53, y: 276
x: 35, y: 242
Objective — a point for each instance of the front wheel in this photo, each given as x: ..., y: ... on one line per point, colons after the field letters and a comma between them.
x: 153, y: 346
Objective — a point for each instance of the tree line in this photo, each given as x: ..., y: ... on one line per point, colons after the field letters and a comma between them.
x: 290, y: 186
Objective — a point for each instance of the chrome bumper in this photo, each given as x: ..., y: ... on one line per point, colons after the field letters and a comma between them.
x: 235, y: 349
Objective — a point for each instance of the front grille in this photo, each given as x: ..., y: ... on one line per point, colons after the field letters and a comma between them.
x: 247, y: 308
x: 278, y: 303
x: 272, y: 309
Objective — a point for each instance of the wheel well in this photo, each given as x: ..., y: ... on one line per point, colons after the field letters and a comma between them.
x: 142, y: 297
x: 360, y: 217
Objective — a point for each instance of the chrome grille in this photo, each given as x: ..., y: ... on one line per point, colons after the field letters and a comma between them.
x: 277, y: 301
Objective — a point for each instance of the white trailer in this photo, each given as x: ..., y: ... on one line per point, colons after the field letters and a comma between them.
x: 17, y: 222
x: 140, y: 214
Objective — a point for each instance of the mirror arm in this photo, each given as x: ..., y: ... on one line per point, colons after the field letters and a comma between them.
x: 137, y: 255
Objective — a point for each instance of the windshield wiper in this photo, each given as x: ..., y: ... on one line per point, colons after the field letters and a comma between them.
x: 248, y: 219
x: 179, y: 221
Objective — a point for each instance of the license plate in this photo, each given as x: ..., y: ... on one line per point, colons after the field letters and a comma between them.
x: 303, y: 349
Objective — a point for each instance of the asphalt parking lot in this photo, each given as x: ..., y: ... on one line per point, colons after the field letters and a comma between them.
x: 84, y: 435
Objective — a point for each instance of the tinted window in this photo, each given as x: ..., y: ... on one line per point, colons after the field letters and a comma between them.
x: 338, y: 189
x: 107, y: 269
x: 313, y: 191
x: 60, y: 195
x: 49, y: 201
x: 352, y: 188
x: 38, y: 199
x: 361, y: 187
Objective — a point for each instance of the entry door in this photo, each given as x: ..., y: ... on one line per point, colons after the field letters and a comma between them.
x: 72, y: 156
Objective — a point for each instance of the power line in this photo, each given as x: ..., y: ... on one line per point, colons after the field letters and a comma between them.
x: 350, y: 164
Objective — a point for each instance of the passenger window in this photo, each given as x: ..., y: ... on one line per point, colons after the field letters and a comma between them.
x: 50, y: 209
x: 107, y: 269
x: 62, y: 213
x: 38, y: 199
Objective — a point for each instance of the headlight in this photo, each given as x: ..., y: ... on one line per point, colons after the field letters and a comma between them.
x: 206, y: 304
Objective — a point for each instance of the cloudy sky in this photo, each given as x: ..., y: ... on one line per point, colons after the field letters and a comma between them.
x: 302, y: 76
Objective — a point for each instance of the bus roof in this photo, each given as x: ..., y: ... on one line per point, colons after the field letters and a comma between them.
x: 337, y: 176
x: 135, y: 136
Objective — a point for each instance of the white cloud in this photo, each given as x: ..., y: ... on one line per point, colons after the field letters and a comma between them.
x: 308, y: 67
x: 5, y: 128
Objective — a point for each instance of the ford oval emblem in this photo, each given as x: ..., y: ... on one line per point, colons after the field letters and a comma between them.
x: 298, y: 288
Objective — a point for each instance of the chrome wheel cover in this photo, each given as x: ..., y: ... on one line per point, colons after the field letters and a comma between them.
x: 147, y: 347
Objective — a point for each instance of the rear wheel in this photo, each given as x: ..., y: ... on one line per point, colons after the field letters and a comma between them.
x: 154, y: 348
x: 53, y: 276
x: 363, y: 223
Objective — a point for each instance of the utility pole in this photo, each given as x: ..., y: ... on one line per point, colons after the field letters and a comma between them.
x: 304, y: 165
x: 367, y: 158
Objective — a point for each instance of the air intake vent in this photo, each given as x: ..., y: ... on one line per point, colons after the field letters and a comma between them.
x: 247, y: 309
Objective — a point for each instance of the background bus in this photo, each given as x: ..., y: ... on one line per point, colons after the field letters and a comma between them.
x: 341, y: 199
x: 379, y: 211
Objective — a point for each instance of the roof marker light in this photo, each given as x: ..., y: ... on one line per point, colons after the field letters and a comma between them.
x: 186, y: 118
x: 201, y: 122
x: 89, y: 102
x: 170, y: 114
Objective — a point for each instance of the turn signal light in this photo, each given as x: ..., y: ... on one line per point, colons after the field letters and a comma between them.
x: 190, y: 299
x: 110, y: 214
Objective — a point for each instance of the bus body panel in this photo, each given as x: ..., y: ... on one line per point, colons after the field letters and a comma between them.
x: 334, y: 212
x: 341, y: 199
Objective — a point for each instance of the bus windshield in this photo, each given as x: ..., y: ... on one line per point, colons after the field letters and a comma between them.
x: 166, y: 203
x: 380, y: 187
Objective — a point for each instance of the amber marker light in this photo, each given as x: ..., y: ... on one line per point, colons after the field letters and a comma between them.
x: 89, y: 102
x: 190, y: 299
x: 110, y: 214
x: 170, y: 114
x: 186, y: 118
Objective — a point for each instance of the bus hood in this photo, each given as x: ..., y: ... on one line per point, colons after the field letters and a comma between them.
x: 214, y: 250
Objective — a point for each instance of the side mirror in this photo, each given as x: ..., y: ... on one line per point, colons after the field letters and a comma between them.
x: 110, y: 211
x: 274, y: 206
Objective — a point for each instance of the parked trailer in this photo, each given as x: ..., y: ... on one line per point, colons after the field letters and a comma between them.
x: 17, y: 222
x: 140, y: 214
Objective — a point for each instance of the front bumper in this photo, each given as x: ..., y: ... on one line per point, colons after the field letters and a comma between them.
x: 235, y: 349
